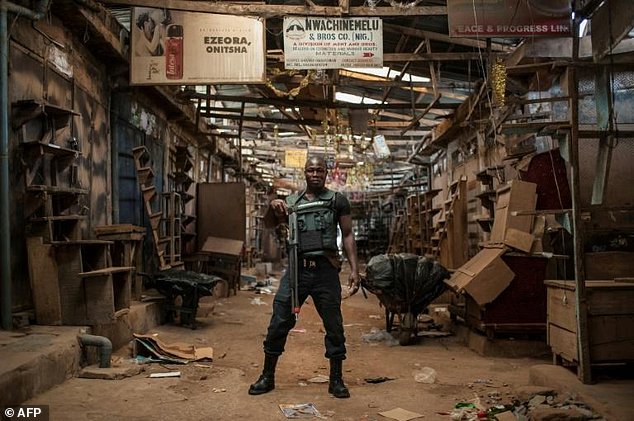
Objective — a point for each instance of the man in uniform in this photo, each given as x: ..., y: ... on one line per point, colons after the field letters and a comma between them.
x: 318, y: 273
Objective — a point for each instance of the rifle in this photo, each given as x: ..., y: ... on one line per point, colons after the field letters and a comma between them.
x: 293, y: 269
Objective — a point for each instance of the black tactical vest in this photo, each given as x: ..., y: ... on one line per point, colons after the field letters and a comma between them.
x: 316, y: 222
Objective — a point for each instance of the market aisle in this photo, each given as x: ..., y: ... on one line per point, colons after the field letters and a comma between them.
x: 235, y: 328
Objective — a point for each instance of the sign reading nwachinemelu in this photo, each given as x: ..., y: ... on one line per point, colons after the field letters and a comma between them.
x: 332, y: 43
x: 176, y: 47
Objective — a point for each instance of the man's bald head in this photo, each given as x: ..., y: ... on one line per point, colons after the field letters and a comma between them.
x: 315, y: 161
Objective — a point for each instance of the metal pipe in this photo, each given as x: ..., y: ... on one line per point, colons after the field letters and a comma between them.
x: 5, y: 234
x: 104, y: 345
x: 41, y: 8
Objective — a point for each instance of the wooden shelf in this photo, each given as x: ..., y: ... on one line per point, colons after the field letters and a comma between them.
x: 52, y: 149
x: 104, y: 271
x: 29, y: 109
x: 59, y: 218
x: 56, y: 189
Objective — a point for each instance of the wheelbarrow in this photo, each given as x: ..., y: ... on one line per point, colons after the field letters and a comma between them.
x: 405, y: 285
x: 182, y: 290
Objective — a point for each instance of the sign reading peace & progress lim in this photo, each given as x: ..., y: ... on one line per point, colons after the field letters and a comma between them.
x: 509, y: 18
x: 332, y: 43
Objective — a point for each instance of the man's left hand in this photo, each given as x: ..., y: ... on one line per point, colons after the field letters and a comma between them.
x: 354, y: 281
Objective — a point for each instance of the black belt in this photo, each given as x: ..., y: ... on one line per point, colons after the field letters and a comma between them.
x: 312, y: 262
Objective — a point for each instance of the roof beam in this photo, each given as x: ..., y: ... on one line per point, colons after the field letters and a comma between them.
x: 610, y: 24
x: 435, y: 36
x: 271, y: 10
x: 394, y: 57
x: 318, y: 104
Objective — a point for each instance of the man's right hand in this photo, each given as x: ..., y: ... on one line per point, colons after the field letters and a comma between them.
x: 279, y: 208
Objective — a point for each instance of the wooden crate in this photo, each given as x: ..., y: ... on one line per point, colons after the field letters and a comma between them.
x: 610, y: 320
x: 520, y: 308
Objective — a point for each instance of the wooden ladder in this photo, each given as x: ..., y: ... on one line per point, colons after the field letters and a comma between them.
x: 164, y: 236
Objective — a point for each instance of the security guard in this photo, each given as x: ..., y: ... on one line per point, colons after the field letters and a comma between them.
x: 318, y: 267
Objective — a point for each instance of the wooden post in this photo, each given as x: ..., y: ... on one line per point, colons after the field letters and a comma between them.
x: 584, y: 372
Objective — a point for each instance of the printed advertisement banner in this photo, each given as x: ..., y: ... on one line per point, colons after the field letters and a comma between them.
x: 170, y: 47
x: 509, y: 18
x: 332, y: 43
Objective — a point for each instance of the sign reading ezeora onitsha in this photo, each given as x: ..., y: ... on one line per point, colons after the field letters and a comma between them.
x: 175, y: 47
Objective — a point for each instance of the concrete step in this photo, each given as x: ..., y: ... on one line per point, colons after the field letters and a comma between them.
x: 36, y: 358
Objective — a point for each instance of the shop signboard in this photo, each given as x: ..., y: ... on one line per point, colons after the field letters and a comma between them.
x: 509, y: 18
x: 170, y: 47
x: 332, y: 43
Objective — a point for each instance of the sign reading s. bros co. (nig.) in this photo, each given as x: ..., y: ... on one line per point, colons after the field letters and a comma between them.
x: 332, y: 43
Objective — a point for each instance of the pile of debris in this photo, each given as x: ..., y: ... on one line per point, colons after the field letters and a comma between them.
x: 529, y: 403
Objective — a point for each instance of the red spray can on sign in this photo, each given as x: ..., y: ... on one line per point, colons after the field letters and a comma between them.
x: 174, y: 52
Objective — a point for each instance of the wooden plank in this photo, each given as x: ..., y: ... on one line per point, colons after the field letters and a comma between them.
x: 99, y: 299
x: 268, y: 10
x: 561, y: 308
x: 44, y: 283
x: 221, y: 208
x: 616, y: 300
x: 118, y: 229
x: 584, y: 373
x: 562, y: 342
x: 609, y: 264
x: 71, y: 289
x: 416, y: 119
x: 104, y: 271
x: 222, y: 246
x: 611, y: 338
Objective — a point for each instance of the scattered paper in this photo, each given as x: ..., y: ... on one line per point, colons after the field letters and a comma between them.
x: 216, y: 390
x: 319, y: 379
x: 202, y: 365
x: 257, y: 301
x: 400, y: 414
x: 300, y: 410
x: 298, y: 330
x: 506, y: 416
x: 167, y: 374
x: 173, y: 353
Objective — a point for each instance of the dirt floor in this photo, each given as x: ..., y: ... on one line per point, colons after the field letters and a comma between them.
x: 235, y: 328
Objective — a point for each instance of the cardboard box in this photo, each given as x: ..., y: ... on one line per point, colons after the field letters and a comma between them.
x: 516, y: 196
x: 483, y: 277
x: 539, y: 228
x: 520, y: 240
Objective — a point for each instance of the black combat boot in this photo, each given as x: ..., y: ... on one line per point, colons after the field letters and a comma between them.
x: 336, y: 386
x: 266, y: 381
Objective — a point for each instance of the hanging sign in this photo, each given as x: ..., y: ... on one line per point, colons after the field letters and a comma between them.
x: 332, y: 43
x: 509, y: 18
x: 295, y: 158
x: 381, y: 150
x: 175, y: 47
